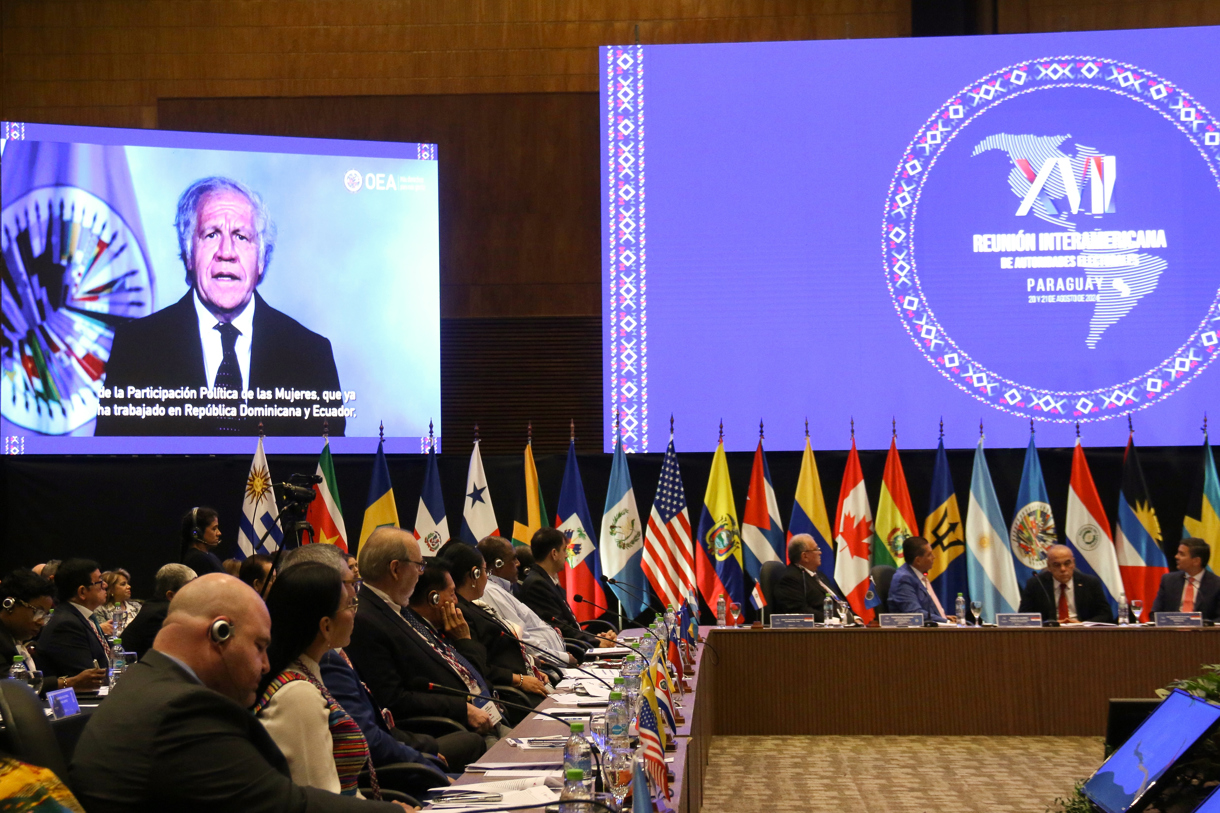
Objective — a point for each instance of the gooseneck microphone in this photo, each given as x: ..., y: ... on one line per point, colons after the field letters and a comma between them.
x: 630, y: 589
x: 579, y: 599
x: 556, y: 663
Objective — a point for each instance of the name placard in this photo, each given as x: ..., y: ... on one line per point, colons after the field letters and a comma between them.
x: 1179, y: 619
x: 901, y: 619
x: 63, y: 703
x: 1018, y: 619
x: 792, y: 621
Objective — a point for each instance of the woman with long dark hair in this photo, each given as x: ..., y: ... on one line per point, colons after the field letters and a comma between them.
x: 200, y: 538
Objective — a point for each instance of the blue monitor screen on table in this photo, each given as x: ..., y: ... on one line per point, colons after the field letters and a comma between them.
x: 978, y: 228
x: 343, y: 320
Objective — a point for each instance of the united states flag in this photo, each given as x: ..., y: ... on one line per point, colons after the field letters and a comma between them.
x: 668, y: 560
x: 654, y: 753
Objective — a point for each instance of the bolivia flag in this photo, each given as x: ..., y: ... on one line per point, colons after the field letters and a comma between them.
x: 1137, y: 535
x: 945, y: 531
x: 809, y: 511
x: 719, y: 539
x: 531, y: 510
x: 478, y: 515
x: 431, y: 523
x: 1203, y: 511
x: 1088, y: 531
x: 895, y: 516
x: 854, y: 537
x: 761, y: 530
x: 582, y: 574
x: 989, y: 562
x: 381, y: 509
x: 325, y: 514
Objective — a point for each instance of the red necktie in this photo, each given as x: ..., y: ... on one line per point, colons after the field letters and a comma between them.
x: 1063, y: 602
x: 1188, y: 596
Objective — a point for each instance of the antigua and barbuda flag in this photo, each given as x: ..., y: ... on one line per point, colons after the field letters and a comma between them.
x: 622, y: 538
x: 531, y: 510
x: 895, y: 515
x: 1137, y: 535
x: 809, y: 512
x: 431, y: 523
x: 854, y: 538
x: 325, y: 514
x: 478, y: 515
x: 989, y: 562
x: 1087, y: 530
x: 1203, y: 511
x: 258, y: 510
x: 582, y: 574
x: 718, y: 568
x: 946, y: 533
x: 761, y: 530
x: 381, y: 509
x: 1033, y: 526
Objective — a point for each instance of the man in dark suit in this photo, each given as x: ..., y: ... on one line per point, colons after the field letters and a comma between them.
x: 139, y: 634
x: 802, y: 589
x: 1192, y: 587
x: 72, y: 642
x: 222, y: 334
x: 910, y: 590
x: 176, y: 733
x: 1061, y: 594
x: 25, y: 605
x: 542, y: 593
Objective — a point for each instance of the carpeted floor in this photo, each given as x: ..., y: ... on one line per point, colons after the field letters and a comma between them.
x: 895, y: 774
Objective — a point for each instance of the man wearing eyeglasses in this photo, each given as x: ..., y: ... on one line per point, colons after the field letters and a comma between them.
x: 72, y: 642
x: 25, y: 606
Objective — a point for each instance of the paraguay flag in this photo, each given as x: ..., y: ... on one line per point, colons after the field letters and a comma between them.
x: 718, y: 567
x: 1137, y: 537
x: 854, y: 538
x: 478, y: 515
x: 809, y: 512
x: 1088, y: 531
x: 761, y: 529
x: 381, y: 509
x: 1203, y: 511
x: 989, y: 562
x: 325, y: 514
x: 258, y: 510
x: 431, y: 524
x: 1033, y: 526
x: 582, y: 574
x: 622, y: 537
x: 895, y: 515
x: 944, y: 530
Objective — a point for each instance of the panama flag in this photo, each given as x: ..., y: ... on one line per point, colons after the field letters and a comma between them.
x: 944, y: 530
x: 478, y: 515
x: 718, y: 555
x: 258, y: 510
x: 431, y: 524
x: 381, y: 510
x: 622, y: 537
x: 989, y: 564
x: 809, y: 511
x: 761, y: 529
x: 325, y: 514
x: 895, y: 515
x: 668, y: 562
x: 582, y: 574
x: 854, y: 537
x: 1137, y: 535
x: 1088, y: 531
x: 1203, y: 511
x: 1033, y: 526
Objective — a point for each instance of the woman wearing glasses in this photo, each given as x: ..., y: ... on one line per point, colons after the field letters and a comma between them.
x: 120, y: 608
x: 25, y: 605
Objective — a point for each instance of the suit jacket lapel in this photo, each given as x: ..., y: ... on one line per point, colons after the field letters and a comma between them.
x: 191, y: 348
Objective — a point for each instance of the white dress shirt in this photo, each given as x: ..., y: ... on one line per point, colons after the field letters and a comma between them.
x: 383, y: 596
x: 213, y: 348
x: 533, y: 630
x: 1071, y: 597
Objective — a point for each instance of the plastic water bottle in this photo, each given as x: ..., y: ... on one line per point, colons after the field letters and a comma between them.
x: 1124, y: 617
x: 578, y: 754
x: 118, y: 661
x: 961, y: 610
x: 631, y: 678
x: 574, y: 792
x: 18, y: 671
x: 618, y: 719
x: 720, y: 610
x: 828, y: 610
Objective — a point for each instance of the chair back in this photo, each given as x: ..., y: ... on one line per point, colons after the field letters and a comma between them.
x: 27, y: 729
x: 882, y: 576
x: 767, y: 579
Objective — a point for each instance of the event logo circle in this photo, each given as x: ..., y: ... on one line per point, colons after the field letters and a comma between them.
x: 1059, y: 187
x: 1032, y: 532
x: 353, y: 180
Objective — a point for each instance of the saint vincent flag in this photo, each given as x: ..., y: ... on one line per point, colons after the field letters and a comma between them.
x: 895, y: 516
x: 1203, y: 511
x: 854, y: 538
x: 325, y: 513
x: 531, y: 510
x: 718, y: 566
x: 381, y: 509
x: 809, y: 512
x: 1137, y: 535
x: 944, y: 530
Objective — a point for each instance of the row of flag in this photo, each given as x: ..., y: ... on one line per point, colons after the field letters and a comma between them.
x: 985, y: 558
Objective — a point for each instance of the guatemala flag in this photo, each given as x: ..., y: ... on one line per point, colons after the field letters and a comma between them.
x: 1088, y: 531
x: 761, y: 530
x: 478, y: 515
x: 258, y: 510
x: 582, y: 574
x: 989, y: 564
x: 1137, y: 535
x: 431, y: 524
x: 1033, y: 527
x: 622, y: 536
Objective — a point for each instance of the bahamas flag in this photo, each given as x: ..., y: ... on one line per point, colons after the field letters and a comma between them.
x: 895, y: 516
x: 622, y: 537
x: 431, y: 523
x: 1137, y: 537
x: 1203, y: 511
x: 944, y: 530
x: 761, y: 530
x: 381, y: 509
x: 531, y: 510
x: 718, y: 566
x: 989, y: 563
x: 1033, y: 527
x: 809, y: 511
x: 582, y: 574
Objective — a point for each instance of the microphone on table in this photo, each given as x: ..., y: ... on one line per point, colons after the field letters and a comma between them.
x: 579, y: 599
x: 633, y: 592
x: 553, y: 661
x: 1049, y: 599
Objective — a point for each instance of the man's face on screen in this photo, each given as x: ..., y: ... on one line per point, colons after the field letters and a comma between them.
x: 224, y: 253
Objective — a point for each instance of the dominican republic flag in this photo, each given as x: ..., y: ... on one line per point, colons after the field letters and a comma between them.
x: 989, y: 563
x: 1033, y: 526
x: 381, y: 509
x: 1137, y: 536
x: 809, y: 512
x: 761, y: 530
x: 1088, y: 530
x: 478, y: 515
x: 258, y: 510
x: 854, y: 538
x: 325, y: 514
x: 431, y: 524
x: 718, y: 554
x: 895, y: 514
x: 622, y: 538
x: 668, y: 561
x: 582, y: 574
x: 944, y: 529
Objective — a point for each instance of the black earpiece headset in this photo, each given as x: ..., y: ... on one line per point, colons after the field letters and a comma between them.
x: 221, y: 630
x: 195, y: 522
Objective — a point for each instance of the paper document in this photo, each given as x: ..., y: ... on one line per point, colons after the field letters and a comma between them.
x: 502, y: 786
x: 539, y: 796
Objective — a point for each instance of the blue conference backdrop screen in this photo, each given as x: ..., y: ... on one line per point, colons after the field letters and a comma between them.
x: 997, y: 229
x: 181, y: 292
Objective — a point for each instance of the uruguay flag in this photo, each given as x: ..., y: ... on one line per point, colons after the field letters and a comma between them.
x: 258, y: 510
x: 431, y: 524
x: 761, y: 529
x: 582, y: 574
x: 944, y: 530
x: 989, y: 564
x: 1033, y: 526
x: 1088, y: 530
x: 1141, y: 561
x: 622, y: 535
x: 478, y: 515
x: 809, y: 511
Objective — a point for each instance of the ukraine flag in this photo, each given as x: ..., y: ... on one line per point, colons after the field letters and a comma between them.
x: 381, y: 508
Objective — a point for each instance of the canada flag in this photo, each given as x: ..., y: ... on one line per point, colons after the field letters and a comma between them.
x: 854, y: 537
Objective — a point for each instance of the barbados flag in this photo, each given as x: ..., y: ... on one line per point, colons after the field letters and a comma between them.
x: 1203, y: 511
x: 895, y: 515
x: 381, y: 509
x: 718, y: 566
x: 431, y: 523
x: 582, y: 574
x: 809, y: 511
x: 989, y: 564
x: 1088, y: 530
x: 1137, y: 537
x: 1033, y: 526
x: 944, y: 530
x: 761, y: 530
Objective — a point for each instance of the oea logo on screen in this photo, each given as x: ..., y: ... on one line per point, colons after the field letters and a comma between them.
x: 381, y: 181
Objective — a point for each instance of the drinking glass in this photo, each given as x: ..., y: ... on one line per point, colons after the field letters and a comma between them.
x: 976, y: 609
x: 616, y: 765
x: 1137, y: 609
x: 36, y: 681
x: 735, y: 613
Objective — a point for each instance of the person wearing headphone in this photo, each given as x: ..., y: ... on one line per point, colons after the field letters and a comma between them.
x: 501, y: 557
x: 26, y: 601
x: 200, y: 538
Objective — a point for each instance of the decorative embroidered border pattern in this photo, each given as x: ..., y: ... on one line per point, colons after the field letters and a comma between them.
x: 628, y: 325
x: 898, y: 239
